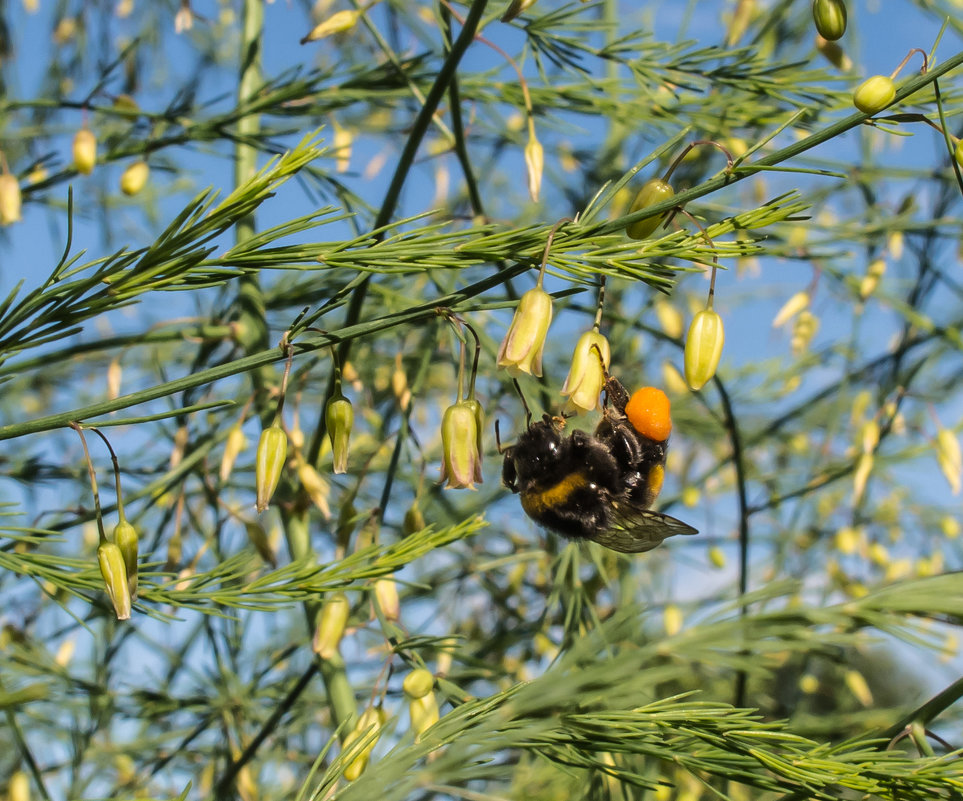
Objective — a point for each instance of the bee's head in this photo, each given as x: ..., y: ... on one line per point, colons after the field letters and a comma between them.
x: 540, y: 445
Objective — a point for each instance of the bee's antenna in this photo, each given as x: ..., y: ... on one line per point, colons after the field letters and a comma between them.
x: 498, y: 438
x: 528, y: 412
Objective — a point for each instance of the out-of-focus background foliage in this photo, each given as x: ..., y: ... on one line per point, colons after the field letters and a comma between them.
x: 803, y: 645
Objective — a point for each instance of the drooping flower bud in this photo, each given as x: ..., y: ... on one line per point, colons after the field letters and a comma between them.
x: 258, y: 537
x: 461, y: 466
x: 115, y: 372
x: 339, y: 22
x: 85, y: 151
x: 833, y: 53
x: 184, y: 18
x: 386, y: 594
x: 399, y: 384
x: 703, y: 348
x: 653, y: 191
x: 124, y: 102
x: 958, y: 152
x: 535, y: 162
x: 858, y: 686
x: 479, y: 412
x: 861, y: 475
x: 179, y: 446
x: 803, y: 331
x: 272, y: 450
x: 134, y: 178
x: 114, y: 571
x: 791, y: 308
x: 673, y: 380
x: 830, y: 18
x: 949, y: 457
x: 19, y: 786
x: 586, y: 377
x: 236, y: 442
x: 874, y: 94
x: 10, y: 199
x: 742, y: 15
x: 339, y: 417
x: 869, y: 436
x: 874, y: 271
x: 366, y: 733
x: 125, y: 536
x: 414, y: 519
x: 672, y: 619
x: 418, y: 683
x: 343, y: 141
x: 424, y: 714
x: 332, y: 620
x: 670, y: 318
x: 521, y: 350
x: 315, y: 486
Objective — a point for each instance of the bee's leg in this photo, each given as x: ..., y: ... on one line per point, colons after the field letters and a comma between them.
x: 509, y: 474
x: 601, y: 466
x: 615, y: 393
x: 521, y: 395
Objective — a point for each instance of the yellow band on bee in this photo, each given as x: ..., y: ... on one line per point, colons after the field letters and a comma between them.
x: 535, y: 503
x: 654, y: 482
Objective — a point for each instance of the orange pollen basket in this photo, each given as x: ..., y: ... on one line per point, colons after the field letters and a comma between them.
x: 648, y: 411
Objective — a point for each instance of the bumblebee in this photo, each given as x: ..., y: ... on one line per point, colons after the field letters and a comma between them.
x: 598, y: 486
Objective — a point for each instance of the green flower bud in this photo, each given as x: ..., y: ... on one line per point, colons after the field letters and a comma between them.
x: 703, y: 348
x: 315, y: 486
x: 114, y: 570
x: 479, y: 413
x: 521, y: 350
x: 833, y: 53
x: 957, y: 154
x: 10, y: 199
x: 874, y: 94
x: 18, y: 788
x: 236, y: 442
x: 418, y: 683
x: 830, y: 18
x: 272, y: 450
x: 414, y: 520
x: 134, y: 178
x: 332, y: 620
x: 535, y: 163
x: 85, y: 151
x: 424, y: 714
x: 461, y: 466
x: 258, y: 537
x: 340, y: 417
x: 125, y: 536
x: 386, y: 594
x: 950, y: 459
x: 338, y: 22
x: 366, y: 730
x: 652, y: 192
x: 586, y: 377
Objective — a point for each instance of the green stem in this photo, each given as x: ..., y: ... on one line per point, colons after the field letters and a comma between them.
x: 741, y: 171
x: 418, y: 129
x: 415, y: 314
x: 93, y: 482
x: 253, y: 330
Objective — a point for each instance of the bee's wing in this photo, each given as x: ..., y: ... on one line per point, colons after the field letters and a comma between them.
x: 635, y: 530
